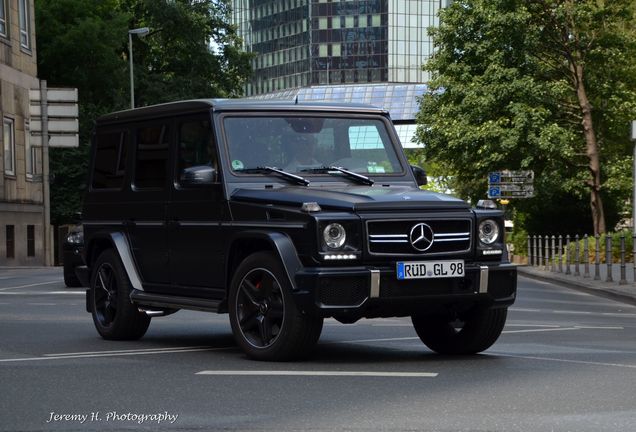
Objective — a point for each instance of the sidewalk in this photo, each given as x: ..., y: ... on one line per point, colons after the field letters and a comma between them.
x: 625, y: 293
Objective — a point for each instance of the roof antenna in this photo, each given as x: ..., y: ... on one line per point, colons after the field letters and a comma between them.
x: 296, y: 100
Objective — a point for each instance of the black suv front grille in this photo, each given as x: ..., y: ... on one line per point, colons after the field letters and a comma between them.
x: 392, y: 237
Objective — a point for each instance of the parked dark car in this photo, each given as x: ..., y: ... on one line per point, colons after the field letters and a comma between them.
x: 73, y: 250
x: 282, y: 214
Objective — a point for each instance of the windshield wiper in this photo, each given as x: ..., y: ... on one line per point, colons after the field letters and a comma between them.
x: 266, y: 169
x: 352, y: 175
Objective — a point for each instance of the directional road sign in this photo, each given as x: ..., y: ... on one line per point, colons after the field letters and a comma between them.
x: 506, y: 176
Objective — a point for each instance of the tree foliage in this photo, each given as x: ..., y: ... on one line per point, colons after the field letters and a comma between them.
x: 191, y: 52
x: 506, y: 94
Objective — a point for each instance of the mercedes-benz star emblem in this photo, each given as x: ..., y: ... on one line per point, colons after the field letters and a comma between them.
x: 421, y: 237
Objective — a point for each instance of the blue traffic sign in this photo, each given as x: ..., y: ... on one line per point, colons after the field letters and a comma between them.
x: 494, y: 177
x: 494, y: 192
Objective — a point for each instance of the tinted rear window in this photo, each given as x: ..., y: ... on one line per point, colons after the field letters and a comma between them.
x: 110, y: 160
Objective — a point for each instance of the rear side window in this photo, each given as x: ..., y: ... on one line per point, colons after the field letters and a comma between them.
x: 110, y: 160
x: 151, y: 159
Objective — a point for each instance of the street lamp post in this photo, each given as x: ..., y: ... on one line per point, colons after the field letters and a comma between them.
x: 634, y: 178
x: 141, y: 32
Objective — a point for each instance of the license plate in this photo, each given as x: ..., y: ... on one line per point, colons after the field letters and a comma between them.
x: 430, y: 269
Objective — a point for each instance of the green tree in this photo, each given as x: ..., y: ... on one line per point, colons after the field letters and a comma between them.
x: 79, y: 45
x: 192, y: 52
x: 532, y: 85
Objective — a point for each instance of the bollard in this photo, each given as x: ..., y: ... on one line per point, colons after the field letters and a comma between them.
x: 586, y: 255
x: 534, y: 250
x: 529, y: 250
x: 540, y: 250
x: 577, y: 258
x: 546, y: 257
x: 608, y: 257
x: 567, y: 255
x: 597, y: 257
x: 560, y: 253
x: 553, y: 261
x: 623, y: 280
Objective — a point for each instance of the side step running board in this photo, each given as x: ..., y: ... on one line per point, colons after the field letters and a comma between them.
x: 142, y: 298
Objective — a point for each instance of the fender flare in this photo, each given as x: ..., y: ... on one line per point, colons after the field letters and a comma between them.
x: 280, y: 243
x: 121, y: 245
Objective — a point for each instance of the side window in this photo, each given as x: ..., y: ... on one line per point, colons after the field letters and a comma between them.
x: 197, y: 158
x: 151, y: 158
x: 110, y: 160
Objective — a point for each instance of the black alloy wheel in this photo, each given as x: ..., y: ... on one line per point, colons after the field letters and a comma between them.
x: 260, y: 308
x: 114, y: 315
x: 105, y: 295
x: 265, y: 320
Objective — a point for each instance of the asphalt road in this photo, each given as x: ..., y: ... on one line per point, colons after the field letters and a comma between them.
x: 566, y: 362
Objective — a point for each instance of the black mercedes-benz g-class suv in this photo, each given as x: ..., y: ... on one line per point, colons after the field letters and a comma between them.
x: 282, y: 214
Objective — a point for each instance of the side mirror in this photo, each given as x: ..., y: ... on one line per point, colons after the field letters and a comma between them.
x: 420, y: 175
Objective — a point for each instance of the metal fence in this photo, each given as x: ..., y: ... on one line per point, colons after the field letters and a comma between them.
x: 573, y: 256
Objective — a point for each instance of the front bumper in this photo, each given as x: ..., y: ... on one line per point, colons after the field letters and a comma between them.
x: 356, y: 292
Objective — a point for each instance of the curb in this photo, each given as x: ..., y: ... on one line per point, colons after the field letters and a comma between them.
x: 622, y: 293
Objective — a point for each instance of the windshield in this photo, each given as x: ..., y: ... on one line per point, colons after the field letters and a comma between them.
x: 301, y: 144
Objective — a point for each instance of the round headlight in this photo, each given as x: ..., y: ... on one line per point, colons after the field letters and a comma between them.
x: 488, y: 231
x: 334, y: 235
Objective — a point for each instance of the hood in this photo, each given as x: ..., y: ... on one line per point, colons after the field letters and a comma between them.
x: 353, y: 198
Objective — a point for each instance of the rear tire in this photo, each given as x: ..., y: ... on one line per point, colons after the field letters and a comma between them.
x: 469, y: 333
x: 114, y: 315
x: 265, y: 321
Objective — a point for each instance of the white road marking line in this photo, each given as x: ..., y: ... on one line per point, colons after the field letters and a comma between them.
x: 127, y: 351
x: 38, y: 293
x: 540, y: 330
x: 600, y: 328
x: 571, y: 312
x: 42, y: 304
x: 318, y: 373
x: 30, y: 285
x: 549, y: 328
x: 111, y: 354
x: 533, y: 325
x: 589, y: 363
x: 373, y: 340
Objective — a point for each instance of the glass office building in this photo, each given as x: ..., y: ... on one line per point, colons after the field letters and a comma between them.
x: 399, y: 99
x: 350, y: 45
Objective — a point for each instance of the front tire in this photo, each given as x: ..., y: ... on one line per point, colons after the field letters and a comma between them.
x: 471, y: 332
x: 265, y: 321
x: 114, y: 315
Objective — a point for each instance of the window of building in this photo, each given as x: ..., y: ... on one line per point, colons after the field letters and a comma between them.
x: 10, y: 240
x: 151, y: 159
x: 31, y: 240
x: 32, y: 154
x: 25, y: 23
x: 110, y: 160
x: 4, y: 25
x: 9, y: 146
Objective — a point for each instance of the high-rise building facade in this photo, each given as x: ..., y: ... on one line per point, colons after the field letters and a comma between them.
x: 301, y: 43
x: 21, y: 197
x: 366, y: 50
